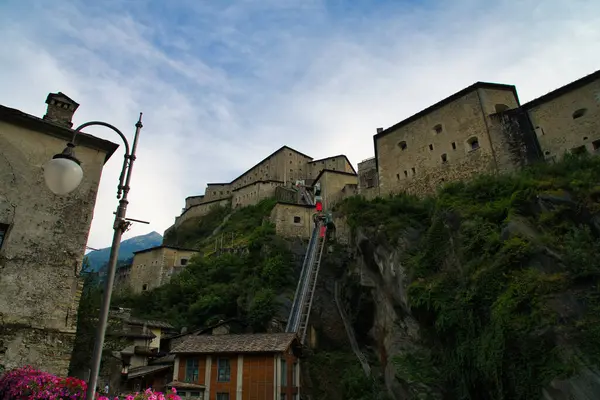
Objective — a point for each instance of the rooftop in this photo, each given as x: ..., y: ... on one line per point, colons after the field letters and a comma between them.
x: 244, y: 343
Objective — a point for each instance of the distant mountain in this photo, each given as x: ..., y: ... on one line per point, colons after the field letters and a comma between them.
x: 99, y: 258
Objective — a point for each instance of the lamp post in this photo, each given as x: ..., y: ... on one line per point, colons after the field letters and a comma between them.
x: 63, y: 174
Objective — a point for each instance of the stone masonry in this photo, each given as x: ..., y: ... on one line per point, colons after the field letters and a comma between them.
x: 44, y: 235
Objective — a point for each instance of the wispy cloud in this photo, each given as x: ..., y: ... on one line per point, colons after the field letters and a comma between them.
x: 224, y: 83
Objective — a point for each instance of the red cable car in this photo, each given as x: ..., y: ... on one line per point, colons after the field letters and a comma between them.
x: 319, y: 206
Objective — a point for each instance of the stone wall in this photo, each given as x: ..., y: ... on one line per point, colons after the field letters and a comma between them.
x: 336, y: 163
x: 199, y: 210
x: 367, y: 174
x: 217, y: 191
x: 293, y: 220
x: 193, y: 200
x: 253, y: 193
x: 332, y: 186
x: 558, y: 124
x: 153, y: 268
x: 42, y: 252
x: 451, y: 142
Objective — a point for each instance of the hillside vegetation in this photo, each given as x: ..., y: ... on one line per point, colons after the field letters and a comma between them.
x: 219, y: 286
x: 503, y: 279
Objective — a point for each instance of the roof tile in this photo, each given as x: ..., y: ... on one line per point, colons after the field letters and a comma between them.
x: 242, y: 343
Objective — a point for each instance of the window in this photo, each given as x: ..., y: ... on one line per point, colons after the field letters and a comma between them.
x: 397, y: 176
x: 501, y: 108
x: 222, y: 396
x: 444, y: 158
x: 579, y: 113
x: 413, y: 170
x: 224, y: 370
x: 183, y: 261
x: 437, y: 129
x: 295, y: 375
x: 405, y: 173
x: 297, y: 220
x: 3, y: 230
x: 191, y: 370
x: 473, y: 143
x: 453, y: 145
x: 402, y: 145
x: 179, y: 393
x: 595, y: 143
x: 194, y: 395
x: 283, y: 373
x: 145, y: 286
x: 430, y: 147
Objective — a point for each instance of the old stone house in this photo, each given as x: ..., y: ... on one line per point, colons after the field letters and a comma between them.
x: 482, y: 129
x: 155, y: 266
x: 42, y: 235
x: 238, y: 367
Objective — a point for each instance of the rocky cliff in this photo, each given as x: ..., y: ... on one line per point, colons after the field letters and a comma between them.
x: 488, y: 290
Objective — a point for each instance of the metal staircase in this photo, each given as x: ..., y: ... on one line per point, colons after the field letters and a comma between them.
x: 300, y: 312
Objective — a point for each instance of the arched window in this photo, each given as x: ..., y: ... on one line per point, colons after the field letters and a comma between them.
x: 579, y: 113
x: 402, y: 145
x: 444, y: 158
x: 501, y: 107
x: 473, y: 143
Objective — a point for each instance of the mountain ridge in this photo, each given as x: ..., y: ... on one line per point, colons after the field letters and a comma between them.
x: 98, y: 258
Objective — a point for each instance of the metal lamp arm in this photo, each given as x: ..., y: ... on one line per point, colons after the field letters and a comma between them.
x: 123, y: 185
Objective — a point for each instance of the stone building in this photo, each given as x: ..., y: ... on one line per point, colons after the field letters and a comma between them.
x: 282, y: 168
x: 483, y: 129
x: 43, y: 236
x: 154, y: 267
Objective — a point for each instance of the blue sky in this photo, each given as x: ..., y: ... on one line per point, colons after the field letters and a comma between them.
x: 224, y: 83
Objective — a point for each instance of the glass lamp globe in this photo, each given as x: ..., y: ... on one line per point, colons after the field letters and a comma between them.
x: 62, y: 174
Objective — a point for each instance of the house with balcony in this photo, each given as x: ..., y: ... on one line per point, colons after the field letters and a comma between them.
x: 237, y: 366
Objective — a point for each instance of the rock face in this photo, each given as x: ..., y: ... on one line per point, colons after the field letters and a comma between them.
x: 394, y: 329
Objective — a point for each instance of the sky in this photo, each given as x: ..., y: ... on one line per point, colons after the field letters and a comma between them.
x: 223, y: 83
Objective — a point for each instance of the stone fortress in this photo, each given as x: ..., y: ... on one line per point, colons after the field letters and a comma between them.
x: 481, y: 129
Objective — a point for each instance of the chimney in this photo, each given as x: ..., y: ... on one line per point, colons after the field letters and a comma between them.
x: 379, y: 130
x: 60, y: 109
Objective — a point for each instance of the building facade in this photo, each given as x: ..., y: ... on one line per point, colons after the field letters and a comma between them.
x: 238, y: 367
x: 42, y: 235
x: 282, y: 168
x: 482, y: 129
x: 155, y: 266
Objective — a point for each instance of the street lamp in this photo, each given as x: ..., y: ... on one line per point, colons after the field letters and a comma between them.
x: 63, y: 174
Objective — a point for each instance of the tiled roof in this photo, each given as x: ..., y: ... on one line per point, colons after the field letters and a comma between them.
x: 185, y: 385
x: 146, y: 370
x: 147, y: 322
x: 245, y: 343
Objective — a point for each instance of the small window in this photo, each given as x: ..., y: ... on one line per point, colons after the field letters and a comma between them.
x: 3, y: 231
x: 585, y: 138
x: 283, y: 373
x: 402, y: 145
x: 473, y: 143
x: 297, y: 220
x: 191, y: 370
x: 184, y: 261
x: 595, y: 143
x: 430, y: 147
x: 405, y: 173
x: 579, y: 113
x: 194, y: 394
x: 437, y: 129
x: 501, y: 108
x: 224, y: 370
x: 444, y: 158
x: 180, y: 394
x: 222, y: 396
x: 413, y: 170
x: 547, y: 153
x: 145, y: 286
x: 453, y: 145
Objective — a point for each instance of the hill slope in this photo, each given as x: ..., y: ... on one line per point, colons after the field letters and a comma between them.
x: 98, y: 258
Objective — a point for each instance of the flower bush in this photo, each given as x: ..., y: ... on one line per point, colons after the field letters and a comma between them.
x: 28, y: 383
